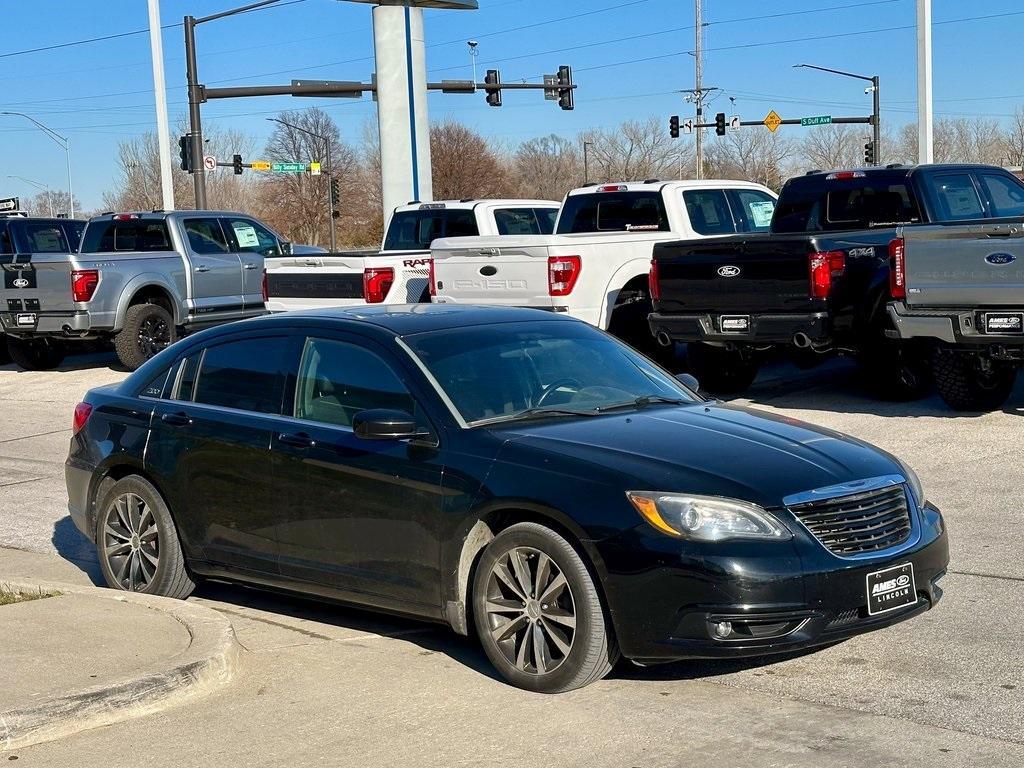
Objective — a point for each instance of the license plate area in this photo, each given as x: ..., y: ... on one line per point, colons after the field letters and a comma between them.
x: 26, y: 320
x: 734, y: 323
x: 891, y: 589
x: 1004, y: 323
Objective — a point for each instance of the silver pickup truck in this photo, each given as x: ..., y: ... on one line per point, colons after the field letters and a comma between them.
x: 139, y: 280
x: 959, y: 288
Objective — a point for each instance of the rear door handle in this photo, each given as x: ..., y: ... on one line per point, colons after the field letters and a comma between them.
x: 301, y: 440
x: 250, y: 266
x: 202, y: 268
x: 176, y: 419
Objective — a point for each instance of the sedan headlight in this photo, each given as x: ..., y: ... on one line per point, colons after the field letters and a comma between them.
x: 915, y: 484
x: 706, y: 518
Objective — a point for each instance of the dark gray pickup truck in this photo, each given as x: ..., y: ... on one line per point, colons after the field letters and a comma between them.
x: 820, y: 282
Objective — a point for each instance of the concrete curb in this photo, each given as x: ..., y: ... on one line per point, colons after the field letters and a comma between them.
x: 209, y: 661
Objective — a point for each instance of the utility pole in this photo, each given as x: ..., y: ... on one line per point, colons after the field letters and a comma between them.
x: 925, y: 114
x: 699, y: 85
x: 163, y: 130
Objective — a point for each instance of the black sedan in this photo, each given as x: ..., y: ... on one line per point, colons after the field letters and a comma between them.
x: 508, y: 470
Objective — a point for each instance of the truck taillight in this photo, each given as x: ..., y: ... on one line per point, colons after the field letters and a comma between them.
x: 82, y: 413
x: 266, y: 288
x: 83, y: 283
x: 563, y: 271
x: 376, y: 284
x: 897, y: 269
x: 432, y: 278
x: 652, y: 281
x: 824, y: 267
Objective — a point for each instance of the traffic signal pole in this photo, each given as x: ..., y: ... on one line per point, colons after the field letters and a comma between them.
x: 194, y: 115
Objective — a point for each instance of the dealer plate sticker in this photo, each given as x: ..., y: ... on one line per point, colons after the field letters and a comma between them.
x: 1004, y: 322
x: 891, y: 589
x: 735, y: 323
x: 25, y: 321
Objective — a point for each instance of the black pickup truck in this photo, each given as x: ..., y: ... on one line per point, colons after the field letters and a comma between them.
x: 818, y: 283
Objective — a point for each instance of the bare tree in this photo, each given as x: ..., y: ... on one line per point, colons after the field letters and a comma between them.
x: 834, y: 146
x: 753, y: 155
x: 548, y: 167
x: 464, y: 165
x: 1013, y: 140
x: 959, y: 140
x: 638, y: 150
x: 52, y: 202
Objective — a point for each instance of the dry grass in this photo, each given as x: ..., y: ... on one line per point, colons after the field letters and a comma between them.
x: 10, y: 595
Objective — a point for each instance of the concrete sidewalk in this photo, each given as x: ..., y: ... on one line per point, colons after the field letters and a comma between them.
x: 85, y: 657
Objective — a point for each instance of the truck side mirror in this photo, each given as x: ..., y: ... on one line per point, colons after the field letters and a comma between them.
x: 286, y: 248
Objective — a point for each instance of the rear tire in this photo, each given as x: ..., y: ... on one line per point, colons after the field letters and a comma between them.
x: 137, y: 542
x: 966, y: 383
x: 35, y: 354
x: 538, y: 613
x: 720, y: 370
x: 148, y: 330
x: 629, y: 324
x: 5, y: 356
x: 894, y: 370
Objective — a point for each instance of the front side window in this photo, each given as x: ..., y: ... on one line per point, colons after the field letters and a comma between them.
x: 957, y: 197
x: 205, y: 236
x: 128, y: 235
x: 1006, y: 194
x: 709, y: 212
x: 613, y: 212
x: 251, y: 237
x: 496, y: 373
x: 246, y: 374
x: 337, y: 380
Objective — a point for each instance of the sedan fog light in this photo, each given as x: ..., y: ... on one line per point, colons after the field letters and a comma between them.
x: 723, y: 629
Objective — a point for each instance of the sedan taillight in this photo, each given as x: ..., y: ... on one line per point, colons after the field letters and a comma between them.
x: 82, y: 413
x: 376, y: 284
x: 83, y: 283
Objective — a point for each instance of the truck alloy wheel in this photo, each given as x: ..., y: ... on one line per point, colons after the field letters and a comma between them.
x: 148, y: 330
x: 35, y: 354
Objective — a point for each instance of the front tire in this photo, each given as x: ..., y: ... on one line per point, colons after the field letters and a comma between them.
x: 35, y: 354
x: 137, y: 543
x: 148, y: 330
x: 538, y: 613
x: 967, y: 382
x: 721, y: 371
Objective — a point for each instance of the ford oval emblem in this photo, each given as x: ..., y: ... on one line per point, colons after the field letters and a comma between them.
x: 729, y: 271
x: 21, y: 282
x: 1000, y: 258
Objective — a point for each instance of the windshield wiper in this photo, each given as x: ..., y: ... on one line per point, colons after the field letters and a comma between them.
x: 531, y: 413
x: 644, y: 401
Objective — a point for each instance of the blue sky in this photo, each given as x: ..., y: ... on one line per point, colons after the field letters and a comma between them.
x: 630, y: 58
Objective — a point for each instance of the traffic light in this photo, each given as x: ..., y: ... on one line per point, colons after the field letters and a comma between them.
x: 335, y: 193
x: 492, y: 82
x: 673, y: 126
x: 185, y: 151
x: 236, y: 161
x: 720, y: 124
x: 565, y: 86
x: 869, y: 153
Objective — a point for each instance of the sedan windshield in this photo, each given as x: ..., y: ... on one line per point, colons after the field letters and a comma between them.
x: 532, y: 370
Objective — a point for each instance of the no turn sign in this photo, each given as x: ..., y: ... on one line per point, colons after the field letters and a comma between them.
x: 210, y: 162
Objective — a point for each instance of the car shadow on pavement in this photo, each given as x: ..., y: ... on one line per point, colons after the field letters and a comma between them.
x: 701, y: 669
x: 72, y: 546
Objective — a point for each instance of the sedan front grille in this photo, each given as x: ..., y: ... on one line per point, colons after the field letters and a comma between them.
x: 871, y: 521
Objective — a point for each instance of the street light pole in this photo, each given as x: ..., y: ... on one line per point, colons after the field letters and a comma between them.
x: 876, y: 113
x: 163, y: 131
x: 61, y: 141
x: 925, y: 112
x: 330, y: 172
x: 37, y: 185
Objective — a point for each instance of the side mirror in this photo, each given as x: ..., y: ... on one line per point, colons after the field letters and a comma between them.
x: 386, y: 425
x: 286, y: 248
x: 689, y: 381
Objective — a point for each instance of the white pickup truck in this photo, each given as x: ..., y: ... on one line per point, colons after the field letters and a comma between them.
x: 398, y: 273
x: 596, y: 265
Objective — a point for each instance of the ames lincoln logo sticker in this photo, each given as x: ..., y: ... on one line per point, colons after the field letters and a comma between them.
x: 729, y: 271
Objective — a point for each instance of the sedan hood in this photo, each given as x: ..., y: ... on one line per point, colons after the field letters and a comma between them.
x: 715, y: 450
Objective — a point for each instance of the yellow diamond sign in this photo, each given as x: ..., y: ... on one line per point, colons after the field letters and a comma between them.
x: 772, y: 121
x: 260, y: 165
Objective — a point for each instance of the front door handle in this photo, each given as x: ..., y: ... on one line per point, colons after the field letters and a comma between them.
x: 176, y: 419
x: 250, y: 266
x: 202, y: 268
x: 300, y: 440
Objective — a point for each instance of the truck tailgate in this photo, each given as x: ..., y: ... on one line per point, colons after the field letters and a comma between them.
x: 745, y: 275
x: 37, y: 283
x: 500, y: 270
x: 966, y: 265
x: 315, y: 280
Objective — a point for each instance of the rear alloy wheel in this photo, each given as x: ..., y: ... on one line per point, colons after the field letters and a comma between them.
x: 969, y: 382
x: 148, y: 330
x: 721, y: 371
x: 35, y: 354
x: 538, y: 613
x: 137, y: 543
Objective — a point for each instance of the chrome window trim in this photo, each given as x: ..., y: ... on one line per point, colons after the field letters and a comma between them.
x: 850, y: 489
x: 434, y: 383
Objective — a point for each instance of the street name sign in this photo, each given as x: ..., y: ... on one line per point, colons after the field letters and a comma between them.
x: 288, y: 167
x: 819, y: 120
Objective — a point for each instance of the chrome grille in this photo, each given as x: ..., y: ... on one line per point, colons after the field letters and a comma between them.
x: 857, y: 523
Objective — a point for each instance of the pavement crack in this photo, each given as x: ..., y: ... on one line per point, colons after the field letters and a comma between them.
x: 29, y: 437
x: 23, y: 482
x: 987, y: 576
x: 281, y: 624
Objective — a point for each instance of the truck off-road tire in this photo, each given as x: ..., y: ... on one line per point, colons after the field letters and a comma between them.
x: 137, y: 542
x: 538, y: 612
x: 35, y: 354
x: 896, y: 371
x: 629, y: 324
x: 148, y: 329
x: 721, y: 371
x: 968, y: 383
x: 5, y: 356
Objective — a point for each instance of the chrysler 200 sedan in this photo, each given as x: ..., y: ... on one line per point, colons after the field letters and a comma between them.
x: 504, y: 470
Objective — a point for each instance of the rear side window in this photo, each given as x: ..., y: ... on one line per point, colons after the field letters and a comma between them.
x: 247, y: 375
x: 709, y: 212
x: 416, y: 230
x: 43, y: 238
x: 817, y: 205
x: 6, y: 245
x: 73, y: 231
x: 525, y: 221
x: 1006, y: 194
x: 613, y: 212
x: 957, y: 197
x: 132, y: 235
x: 752, y: 209
x: 205, y: 236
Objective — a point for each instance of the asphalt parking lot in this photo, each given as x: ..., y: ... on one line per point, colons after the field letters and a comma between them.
x: 945, y: 689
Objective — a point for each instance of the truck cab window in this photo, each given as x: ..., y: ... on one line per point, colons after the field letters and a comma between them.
x: 613, y: 212
x: 45, y: 238
x: 132, y: 235
x: 250, y: 237
x: 205, y: 236
x: 1006, y: 195
x: 709, y: 212
x: 957, y: 197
